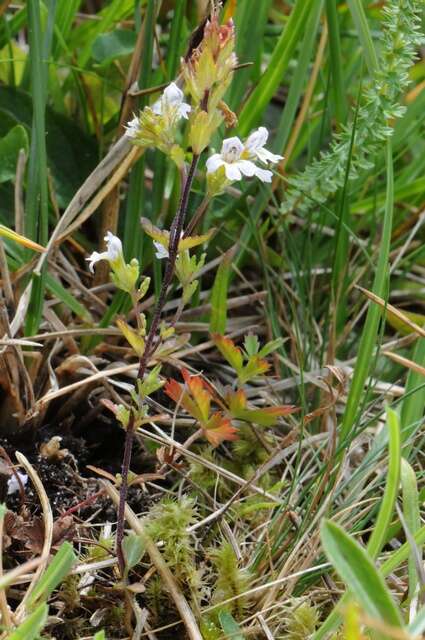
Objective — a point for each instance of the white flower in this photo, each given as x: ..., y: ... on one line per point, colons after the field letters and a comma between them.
x: 132, y: 128
x: 113, y: 251
x: 13, y: 484
x: 172, y: 101
x: 161, y: 251
x: 254, y: 145
x: 237, y: 158
x: 235, y: 165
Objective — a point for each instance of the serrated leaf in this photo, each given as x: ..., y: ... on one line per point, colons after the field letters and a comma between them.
x: 270, y: 347
x: 218, y: 429
x: 255, y: 366
x: 229, y: 351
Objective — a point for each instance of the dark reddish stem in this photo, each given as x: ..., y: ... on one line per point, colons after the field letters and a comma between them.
x: 151, y: 345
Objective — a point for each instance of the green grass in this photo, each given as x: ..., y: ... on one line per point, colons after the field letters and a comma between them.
x: 342, y: 479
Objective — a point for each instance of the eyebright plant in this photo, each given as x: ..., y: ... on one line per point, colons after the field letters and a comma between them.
x: 181, y: 124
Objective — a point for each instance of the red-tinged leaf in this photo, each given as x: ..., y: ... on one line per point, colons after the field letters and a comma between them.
x: 255, y: 367
x: 200, y: 393
x: 219, y: 429
x: 229, y: 351
x: 236, y: 401
x: 176, y: 392
x: 265, y: 416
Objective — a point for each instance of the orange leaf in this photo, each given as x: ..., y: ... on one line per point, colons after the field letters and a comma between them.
x: 176, y: 392
x: 229, y: 351
x: 195, y: 398
x: 219, y: 429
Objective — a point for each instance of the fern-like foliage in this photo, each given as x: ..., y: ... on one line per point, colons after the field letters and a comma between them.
x: 380, y: 105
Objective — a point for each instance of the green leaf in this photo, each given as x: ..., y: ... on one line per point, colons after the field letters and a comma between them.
x: 357, y: 570
x: 230, y: 627
x: 108, y: 46
x: 378, y: 536
x: 218, y: 320
x: 32, y: 626
x: 58, y: 569
x: 411, y: 515
x: 10, y: 146
x: 100, y: 635
x: 133, y: 549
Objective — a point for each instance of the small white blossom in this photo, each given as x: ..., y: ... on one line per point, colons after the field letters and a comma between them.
x: 254, y: 145
x: 113, y: 251
x: 161, y: 251
x: 13, y: 484
x: 233, y: 158
x: 132, y: 128
x: 172, y: 100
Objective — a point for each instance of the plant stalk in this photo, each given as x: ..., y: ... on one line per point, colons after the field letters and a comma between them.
x: 151, y: 346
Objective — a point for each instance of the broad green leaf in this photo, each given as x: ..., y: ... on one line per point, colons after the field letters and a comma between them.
x: 32, y: 625
x: 108, y: 46
x: 57, y: 570
x: 10, y: 145
x: 218, y: 319
x: 133, y: 549
x: 231, y: 629
x: 357, y: 570
x: 100, y: 635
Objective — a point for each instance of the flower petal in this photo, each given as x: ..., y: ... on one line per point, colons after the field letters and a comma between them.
x: 161, y: 251
x: 267, y: 156
x: 184, y: 110
x: 214, y: 162
x: 96, y: 257
x: 263, y: 174
x: 132, y: 128
x: 257, y: 140
x: 232, y: 171
x: 231, y: 149
x: 113, y: 246
x: 172, y: 94
x: 246, y: 167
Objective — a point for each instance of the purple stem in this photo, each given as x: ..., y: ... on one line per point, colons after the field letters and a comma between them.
x: 150, y: 348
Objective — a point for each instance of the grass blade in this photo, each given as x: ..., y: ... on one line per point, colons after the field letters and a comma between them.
x: 370, y: 330
x: 32, y: 626
x: 411, y: 515
x: 58, y: 569
x: 378, y: 536
x: 218, y: 319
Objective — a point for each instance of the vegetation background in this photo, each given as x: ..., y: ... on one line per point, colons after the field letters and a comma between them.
x: 265, y: 534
